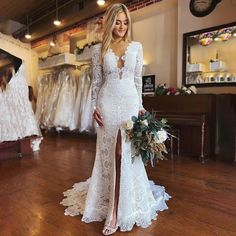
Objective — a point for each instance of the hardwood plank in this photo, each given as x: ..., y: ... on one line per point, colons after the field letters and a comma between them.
x: 203, y: 196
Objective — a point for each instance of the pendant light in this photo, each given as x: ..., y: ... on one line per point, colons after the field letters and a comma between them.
x: 57, y: 22
x: 100, y: 2
x: 53, y: 41
x: 28, y: 35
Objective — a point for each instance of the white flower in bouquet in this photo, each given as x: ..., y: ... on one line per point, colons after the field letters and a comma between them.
x: 193, y: 89
x: 184, y: 88
x: 177, y: 93
x: 145, y: 122
x: 188, y: 91
x: 162, y: 85
x: 129, y: 125
x: 161, y: 136
x: 147, y: 135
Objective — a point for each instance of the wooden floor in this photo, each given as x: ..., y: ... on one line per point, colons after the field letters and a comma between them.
x: 203, y: 196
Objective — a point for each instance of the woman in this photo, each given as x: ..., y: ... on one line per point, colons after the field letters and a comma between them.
x: 119, y: 190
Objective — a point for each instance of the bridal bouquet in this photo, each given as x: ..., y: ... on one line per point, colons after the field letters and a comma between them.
x: 147, y: 135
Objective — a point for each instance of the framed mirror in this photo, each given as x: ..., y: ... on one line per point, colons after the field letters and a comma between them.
x: 209, y: 56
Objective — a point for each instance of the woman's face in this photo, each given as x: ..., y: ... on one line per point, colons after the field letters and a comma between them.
x: 121, y: 25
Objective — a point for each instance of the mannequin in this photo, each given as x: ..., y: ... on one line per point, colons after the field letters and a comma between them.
x: 9, y: 65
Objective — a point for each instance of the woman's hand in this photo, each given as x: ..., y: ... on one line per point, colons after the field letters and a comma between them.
x: 97, y: 116
x: 142, y: 111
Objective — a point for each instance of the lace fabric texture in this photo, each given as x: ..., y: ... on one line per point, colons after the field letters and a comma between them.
x: 117, y: 94
x: 17, y: 118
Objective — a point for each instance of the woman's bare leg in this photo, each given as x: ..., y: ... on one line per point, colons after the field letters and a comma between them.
x: 117, y: 184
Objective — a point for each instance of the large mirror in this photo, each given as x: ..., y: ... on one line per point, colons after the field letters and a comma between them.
x: 209, y: 56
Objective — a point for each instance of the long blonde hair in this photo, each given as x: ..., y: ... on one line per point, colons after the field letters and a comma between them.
x: 109, y: 25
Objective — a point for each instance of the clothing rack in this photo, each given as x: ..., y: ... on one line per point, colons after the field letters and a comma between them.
x: 80, y: 89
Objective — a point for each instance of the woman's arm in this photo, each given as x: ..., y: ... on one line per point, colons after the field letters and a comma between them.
x: 97, y: 74
x: 96, y: 82
x: 138, y: 75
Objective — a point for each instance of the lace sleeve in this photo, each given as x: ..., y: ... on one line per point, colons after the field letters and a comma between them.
x: 97, y: 74
x: 138, y: 75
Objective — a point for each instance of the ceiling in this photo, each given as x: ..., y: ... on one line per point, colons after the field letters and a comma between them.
x: 70, y: 12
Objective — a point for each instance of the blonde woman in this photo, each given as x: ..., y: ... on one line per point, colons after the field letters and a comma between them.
x: 118, y: 191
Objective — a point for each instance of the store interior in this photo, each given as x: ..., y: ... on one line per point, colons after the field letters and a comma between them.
x: 48, y: 134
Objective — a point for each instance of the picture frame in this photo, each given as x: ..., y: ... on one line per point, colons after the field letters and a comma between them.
x: 148, y: 87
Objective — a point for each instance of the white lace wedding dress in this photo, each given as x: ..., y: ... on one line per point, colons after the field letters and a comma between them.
x: 17, y: 118
x: 117, y: 94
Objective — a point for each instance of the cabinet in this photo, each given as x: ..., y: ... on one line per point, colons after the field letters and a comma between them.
x: 207, y: 123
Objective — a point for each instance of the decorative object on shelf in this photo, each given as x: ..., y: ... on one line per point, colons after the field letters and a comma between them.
x: 171, y: 91
x: 45, y: 58
x: 186, y: 90
x: 206, y: 73
x: 81, y: 50
x: 195, y: 67
x: 57, y: 60
x: 210, y: 78
x: 217, y: 65
x: 162, y: 89
x: 84, y: 53
x: 202, y: 8
x: 148, y: 84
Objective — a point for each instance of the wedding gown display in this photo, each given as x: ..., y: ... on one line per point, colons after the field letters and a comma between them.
x: 17, y: 118
x: 64, y: 100
x: 117, y: 94
x: 86, y: 109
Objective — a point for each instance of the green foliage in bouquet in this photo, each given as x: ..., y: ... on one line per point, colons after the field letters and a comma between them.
x: 161, y: 90
x: 147, y: 135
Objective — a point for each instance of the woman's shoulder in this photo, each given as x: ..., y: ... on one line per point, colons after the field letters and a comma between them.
x: 97, y: 46
x: 137, y: 44
x: 96, y: 50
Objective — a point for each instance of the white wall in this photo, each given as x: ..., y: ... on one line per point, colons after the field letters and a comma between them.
x: 160, y: 27
x: 24, y: 52
x: 225, y: 12
x: 155, y: 27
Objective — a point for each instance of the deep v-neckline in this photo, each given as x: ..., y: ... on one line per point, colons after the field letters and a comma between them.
x: 123, y: 58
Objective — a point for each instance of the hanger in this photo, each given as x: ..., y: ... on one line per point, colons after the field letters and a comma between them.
x: 83, y: 65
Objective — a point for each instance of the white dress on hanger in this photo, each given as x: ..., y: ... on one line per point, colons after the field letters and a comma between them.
x: 86, y: 109
x: 17, y: 119
x: 63, y: 114
x: 117, y: 94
